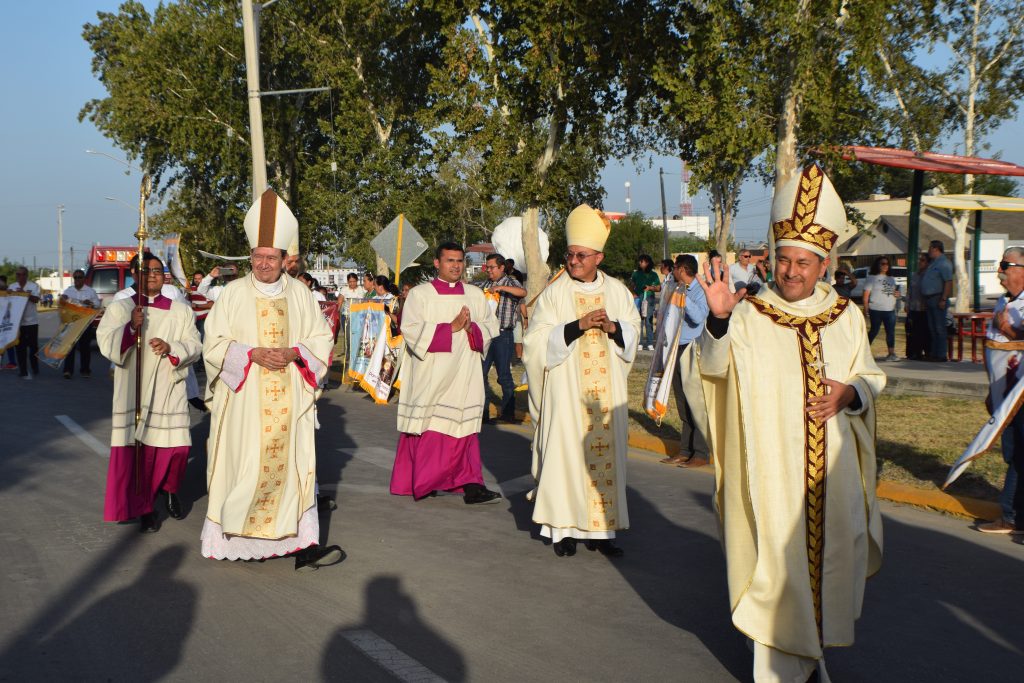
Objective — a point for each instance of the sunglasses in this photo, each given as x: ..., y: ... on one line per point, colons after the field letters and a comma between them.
x: 1006, y: 265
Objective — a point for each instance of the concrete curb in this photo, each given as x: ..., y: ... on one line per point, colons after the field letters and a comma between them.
x: 931, y: 499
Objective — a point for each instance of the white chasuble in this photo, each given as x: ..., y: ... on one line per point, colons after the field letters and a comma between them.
x: 579, y: 404
x: 796, y: 500
x: 261, y: 458
x: 165, y: 421
x: 441, y: 374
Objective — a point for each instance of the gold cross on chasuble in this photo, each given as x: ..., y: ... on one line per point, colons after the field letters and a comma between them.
x: 808, y: 336
x: 261, y: 522
x: 595, y: 395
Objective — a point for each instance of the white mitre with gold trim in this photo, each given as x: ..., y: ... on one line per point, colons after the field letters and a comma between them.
x: 293, y: 248
x: 270, y: 223
x: 808, y: 213
x: 587, y: 227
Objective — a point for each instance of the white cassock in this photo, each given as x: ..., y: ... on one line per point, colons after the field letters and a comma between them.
x: 174, y: 294
x: 579, y: 404
x: 796, y: 500
x: 261, y: 458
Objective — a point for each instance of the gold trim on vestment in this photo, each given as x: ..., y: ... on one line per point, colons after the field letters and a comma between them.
x: 598, y: 438
x: 808, y: 332
x: 275, y: 424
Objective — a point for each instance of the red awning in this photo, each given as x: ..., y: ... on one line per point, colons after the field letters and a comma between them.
x: 930, y: 161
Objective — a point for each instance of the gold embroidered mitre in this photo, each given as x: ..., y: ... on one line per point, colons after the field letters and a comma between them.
x: 270, y: 223
x: 587, y: 227
x: 293, y: 248
x: 807, y: 212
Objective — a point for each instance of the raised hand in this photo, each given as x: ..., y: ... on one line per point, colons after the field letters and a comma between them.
x: 716, y: 289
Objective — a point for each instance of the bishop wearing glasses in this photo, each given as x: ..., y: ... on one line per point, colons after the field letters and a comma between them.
x: 578, y: 352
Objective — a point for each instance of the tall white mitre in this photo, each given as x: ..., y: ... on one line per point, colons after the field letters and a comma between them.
x: 270, y: 223
x: 587, y: 227
x: 808, y: 213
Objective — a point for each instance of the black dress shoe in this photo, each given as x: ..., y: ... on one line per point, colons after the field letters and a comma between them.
x: 606, y: 548
x: 325, y: 504
x: 312, y: 558
x: 148, y: 523
x: 198, y: 404
x: 174, y: 506
x: 565, y: 548
x: 475, y: 494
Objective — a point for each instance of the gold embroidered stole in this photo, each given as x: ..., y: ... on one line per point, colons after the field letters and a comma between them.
x: 598, y: 438
x: 808, y: 332
x: 275, y: 421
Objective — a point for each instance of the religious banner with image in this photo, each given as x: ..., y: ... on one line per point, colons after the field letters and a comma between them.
x: 331, y: 313
x: 383, y: 368
x: 12, y: 307
x: 74, y: 320
x: 365, y: 321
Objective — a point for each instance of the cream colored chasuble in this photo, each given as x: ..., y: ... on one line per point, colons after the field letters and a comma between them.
x: 578, y: 400
x: 796, y: 500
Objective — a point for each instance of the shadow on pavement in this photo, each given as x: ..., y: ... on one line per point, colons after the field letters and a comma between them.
x: 136, y: 633
x: 391, y: 614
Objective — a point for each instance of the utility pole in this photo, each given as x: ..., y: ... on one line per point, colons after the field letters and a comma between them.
x: 60, y: 245
x: 664, y: 215
x: 72, y: 259
x: 250, y: 31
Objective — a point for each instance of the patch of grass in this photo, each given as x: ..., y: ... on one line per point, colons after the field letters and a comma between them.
x: 919, y: 437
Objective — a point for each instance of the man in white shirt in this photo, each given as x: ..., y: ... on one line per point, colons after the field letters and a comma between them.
x: 743, y: 273
x: 81, y: 294
x: 28, y: 335
x: 212, y: 291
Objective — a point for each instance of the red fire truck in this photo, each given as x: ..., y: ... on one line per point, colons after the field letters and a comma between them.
x: 110, y: 270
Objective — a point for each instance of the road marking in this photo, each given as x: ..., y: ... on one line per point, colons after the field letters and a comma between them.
x: 401, y: 665
x: 85, y: 437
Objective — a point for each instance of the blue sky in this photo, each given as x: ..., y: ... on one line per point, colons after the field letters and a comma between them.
x: 49, y: 78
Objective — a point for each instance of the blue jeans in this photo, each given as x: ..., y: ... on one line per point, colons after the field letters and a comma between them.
x: 1010, y: 483
x: 887, y: 318
x: 500, y: 355
x: 936, y: 326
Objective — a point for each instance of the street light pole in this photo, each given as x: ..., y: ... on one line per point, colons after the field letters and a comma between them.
x: 250, y: 32
x: 664, y: 213
x: 60, y: 245
x: 629, y: 200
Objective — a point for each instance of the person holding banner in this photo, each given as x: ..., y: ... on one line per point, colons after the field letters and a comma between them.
x: 81, y: 294
x: 578, y: 352
x: 684, y: 311
x: 28, y: 335
x: 266, y: 349
x: 790, y: 385
x: 447, y: 328
x: 1004, y: 353
x: 171, y: 343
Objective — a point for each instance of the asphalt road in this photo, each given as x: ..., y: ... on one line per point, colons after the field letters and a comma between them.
x: 434, y: 590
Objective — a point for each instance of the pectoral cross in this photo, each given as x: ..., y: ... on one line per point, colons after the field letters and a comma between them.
x: 818, y: 364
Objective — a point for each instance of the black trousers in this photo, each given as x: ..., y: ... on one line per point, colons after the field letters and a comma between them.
x: 918, y: 338
x: 83, y: 347
x: 27, y: 348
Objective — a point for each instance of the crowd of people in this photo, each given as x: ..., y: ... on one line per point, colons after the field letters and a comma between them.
x: 789, y: 439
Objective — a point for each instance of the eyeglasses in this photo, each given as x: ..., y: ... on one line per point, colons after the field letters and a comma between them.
x: 578, y: 255
x: 1006, y: 265
x: 152, y: 271
x: 883, y: 263
x: 744, y: 255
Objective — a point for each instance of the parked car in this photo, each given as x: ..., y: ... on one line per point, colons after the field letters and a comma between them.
x: 899, y: 273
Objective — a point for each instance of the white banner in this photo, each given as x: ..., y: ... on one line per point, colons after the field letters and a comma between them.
x: 12, y: 307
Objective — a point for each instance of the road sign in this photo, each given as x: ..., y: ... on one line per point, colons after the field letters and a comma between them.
x: 398, y: 244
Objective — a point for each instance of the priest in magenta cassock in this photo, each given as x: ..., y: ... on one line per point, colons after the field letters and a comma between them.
x: 170, y: 344
x: 447, y: 327
x: 790, y: 386
x: 266, y: 348
x: 578, y: 352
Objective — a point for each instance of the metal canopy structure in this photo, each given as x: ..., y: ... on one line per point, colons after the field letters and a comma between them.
x: 934, y: 162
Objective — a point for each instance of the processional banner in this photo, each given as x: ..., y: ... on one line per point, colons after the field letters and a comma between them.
x: 666, y: 353
x: 331, y: 313
x: 365, y: 321
x: 74, y: 321
x: 12, y: 307
x: 1001, y: 418
x: 383, y: 367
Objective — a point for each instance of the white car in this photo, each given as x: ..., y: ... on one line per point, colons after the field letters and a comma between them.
x: 899, y: 273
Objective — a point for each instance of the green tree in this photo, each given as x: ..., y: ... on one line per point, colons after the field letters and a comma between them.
x: 630, y: 237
